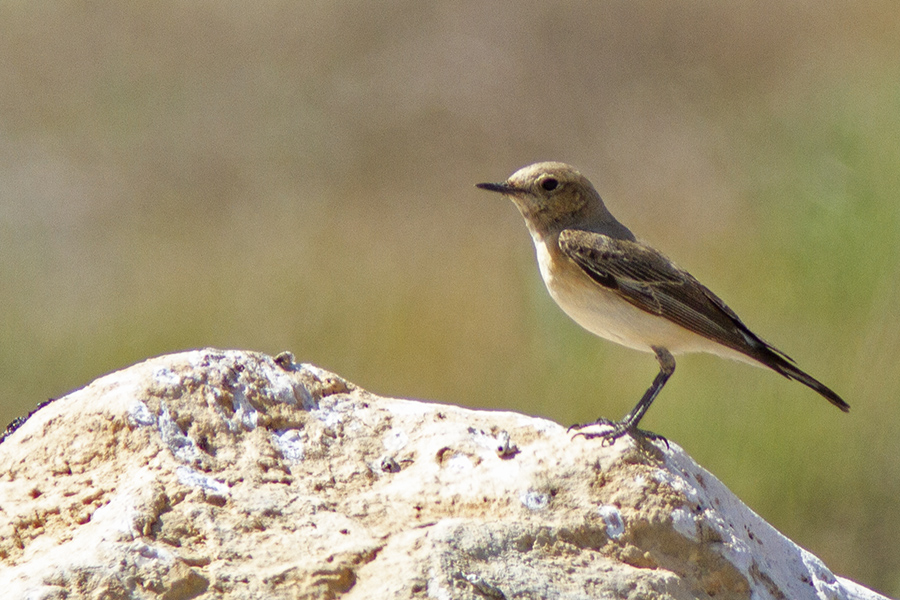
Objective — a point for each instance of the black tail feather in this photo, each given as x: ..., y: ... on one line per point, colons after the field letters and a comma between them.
x: 782, y: 364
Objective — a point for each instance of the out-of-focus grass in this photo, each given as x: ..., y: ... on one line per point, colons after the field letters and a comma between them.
x: 299, y: 176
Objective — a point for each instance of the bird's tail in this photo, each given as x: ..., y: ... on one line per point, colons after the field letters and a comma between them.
x: 781, y: 363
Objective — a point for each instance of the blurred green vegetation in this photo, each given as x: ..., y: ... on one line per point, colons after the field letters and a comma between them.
x: 299, y: 176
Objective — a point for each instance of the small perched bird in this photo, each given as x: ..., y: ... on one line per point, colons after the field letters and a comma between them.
x: 623, y: 290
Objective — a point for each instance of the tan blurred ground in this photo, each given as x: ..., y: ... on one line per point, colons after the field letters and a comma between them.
x: 299, y: 176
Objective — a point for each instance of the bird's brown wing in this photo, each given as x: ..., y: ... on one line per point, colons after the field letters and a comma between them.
x: 649, y: 281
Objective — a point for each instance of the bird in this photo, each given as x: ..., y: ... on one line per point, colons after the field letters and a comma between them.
x: 624, y: 290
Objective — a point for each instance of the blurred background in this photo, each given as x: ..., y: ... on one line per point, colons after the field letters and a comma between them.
x: 299, y: 176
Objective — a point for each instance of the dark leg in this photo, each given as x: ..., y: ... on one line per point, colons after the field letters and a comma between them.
x: 630, y: 422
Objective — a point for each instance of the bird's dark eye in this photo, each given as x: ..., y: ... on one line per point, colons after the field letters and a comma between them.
x: 549, y: 184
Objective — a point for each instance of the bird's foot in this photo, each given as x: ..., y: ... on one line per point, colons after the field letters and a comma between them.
x: 617, y: 430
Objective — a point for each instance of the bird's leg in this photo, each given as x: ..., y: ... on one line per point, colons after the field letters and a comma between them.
x: 629, y: 424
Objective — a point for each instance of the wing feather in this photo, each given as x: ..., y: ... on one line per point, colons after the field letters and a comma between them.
x: 649, y: 281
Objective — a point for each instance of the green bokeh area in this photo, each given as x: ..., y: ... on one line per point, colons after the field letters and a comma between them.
x: 299, y: 176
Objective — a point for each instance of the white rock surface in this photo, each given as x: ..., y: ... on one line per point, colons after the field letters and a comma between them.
x: 226, y: 474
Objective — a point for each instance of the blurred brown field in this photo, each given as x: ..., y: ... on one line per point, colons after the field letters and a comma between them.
x: 299, y: 176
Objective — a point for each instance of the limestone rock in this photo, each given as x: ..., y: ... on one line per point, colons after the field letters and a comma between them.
x: 226, y: 474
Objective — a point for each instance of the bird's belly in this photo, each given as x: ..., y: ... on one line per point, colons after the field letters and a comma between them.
x: 607, y: 315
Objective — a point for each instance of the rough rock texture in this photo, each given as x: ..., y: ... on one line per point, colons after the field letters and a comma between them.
x: 225, y: 474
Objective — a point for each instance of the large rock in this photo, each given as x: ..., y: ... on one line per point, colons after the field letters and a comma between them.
x: 225, y: 474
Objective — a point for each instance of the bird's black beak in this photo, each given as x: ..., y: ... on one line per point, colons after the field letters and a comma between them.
x: 503, y: 188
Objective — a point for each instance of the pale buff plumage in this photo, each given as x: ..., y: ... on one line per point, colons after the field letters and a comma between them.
x: 624, y: 290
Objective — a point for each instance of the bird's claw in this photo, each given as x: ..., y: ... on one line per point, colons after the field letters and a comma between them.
x: 617, y: 429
